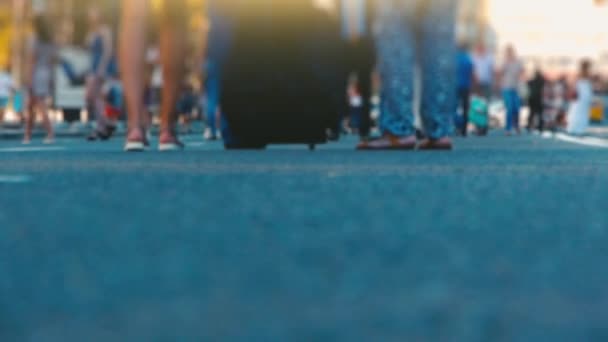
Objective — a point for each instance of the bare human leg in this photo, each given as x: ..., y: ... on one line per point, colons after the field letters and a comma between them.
x: 30, y: 119
x: 43, y: 109
x: 173, y: 51
x: 95, y: 106
x: 132, y: 53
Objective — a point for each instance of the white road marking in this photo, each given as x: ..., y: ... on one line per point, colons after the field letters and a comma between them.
x: 547, y: 135
x: 15, y: 179
x: 195, y: 144
x: 586, y: 141
x: 32, y: 149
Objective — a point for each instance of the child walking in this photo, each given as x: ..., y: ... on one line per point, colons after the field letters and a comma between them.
x: 6, y: 90
x: 42, y: 57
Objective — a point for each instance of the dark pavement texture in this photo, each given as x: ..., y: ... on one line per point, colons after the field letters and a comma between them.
x: 504, y: 239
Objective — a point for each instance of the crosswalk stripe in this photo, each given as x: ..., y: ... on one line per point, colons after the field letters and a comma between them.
x: 32, y: 149
x: 585, y: 141
x: 14, y: 179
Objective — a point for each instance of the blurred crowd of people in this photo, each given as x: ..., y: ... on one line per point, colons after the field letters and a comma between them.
x: 553, y: 102
x: 383, y: 43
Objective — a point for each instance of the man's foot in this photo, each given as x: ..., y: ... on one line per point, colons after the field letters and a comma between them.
x: 136, y: 141
x: 388, y: 142
x: 443, y: 144
x: 49, y: 140
x: 26, y: 141
x: 168, y: 141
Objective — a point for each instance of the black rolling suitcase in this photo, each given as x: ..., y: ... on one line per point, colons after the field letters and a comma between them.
x: 281, y: 74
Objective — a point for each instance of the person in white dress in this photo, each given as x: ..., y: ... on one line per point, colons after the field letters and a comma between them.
x: 578, y: 116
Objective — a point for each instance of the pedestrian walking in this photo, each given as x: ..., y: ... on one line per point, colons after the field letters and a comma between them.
x: 580, y: 108
x: 41, y: 61
x: 511, y: 74
x: 173, y: 34
x: 217, y: 49
x: 416, y: 32
x: 356, y: 108
x: 484, y: 64
x: 536, y: 87
x: 465, y: 78
x: 100, y: 42
x: 7, y: 88
x: 359, y: 57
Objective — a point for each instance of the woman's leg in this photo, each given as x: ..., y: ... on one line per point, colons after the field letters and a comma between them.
x: 43, y: 109
x: 396, y: 46
x: 516, y: 110
x: 173, y: 50
x: 132, y: 53
x: 439, y: 95
x: 397, y: 57
x: 213, y: 96
x: 30, y: 118
x: 96, y: 104
x: 2, y: 111
x: 509, y: 110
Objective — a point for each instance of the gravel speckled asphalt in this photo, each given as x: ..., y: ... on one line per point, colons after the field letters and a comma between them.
x: 503, y: 239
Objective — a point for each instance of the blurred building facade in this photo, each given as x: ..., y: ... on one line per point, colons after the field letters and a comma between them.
x: 472, y: 22
x: 555, y: 35
x: 6, y: 27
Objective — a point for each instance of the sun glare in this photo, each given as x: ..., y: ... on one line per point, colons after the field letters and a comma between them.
x: 551, y: 29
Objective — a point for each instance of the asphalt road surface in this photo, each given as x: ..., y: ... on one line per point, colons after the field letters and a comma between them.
x: 503, y: 239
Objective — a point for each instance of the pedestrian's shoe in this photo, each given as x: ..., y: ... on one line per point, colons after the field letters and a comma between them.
x: 111, y: 128
x: 49, y: 140
x: 99, y: 135
x: 169, y: 142
x: 93, y: 136
x: 136, y: 141
x: 443, y: 144
x: 147, y: 138
x: 388, y: 142
x: 333, y: 135
x: 209, y: 135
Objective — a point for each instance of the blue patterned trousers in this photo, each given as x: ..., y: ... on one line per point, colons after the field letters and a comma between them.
x: 417, y: 32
